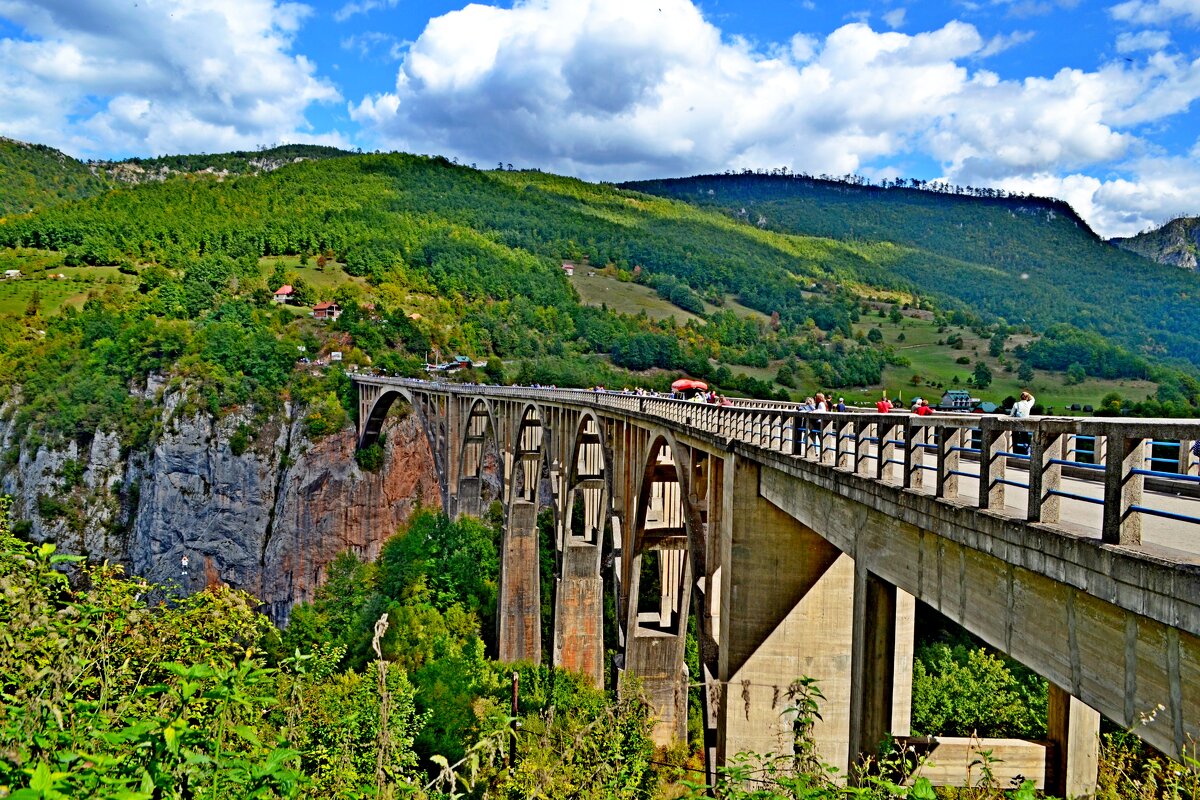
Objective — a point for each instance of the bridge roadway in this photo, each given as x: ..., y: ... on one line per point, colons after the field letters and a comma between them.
x: 800, y: 542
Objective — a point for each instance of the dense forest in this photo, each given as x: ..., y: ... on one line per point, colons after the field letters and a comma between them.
x: 476, y: 252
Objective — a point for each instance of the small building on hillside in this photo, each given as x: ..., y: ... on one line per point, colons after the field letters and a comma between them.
x: 284, y: 293
x: 326, y: 310
x: 569, y: 268
x: 957, y: 400
x: 12, y: 273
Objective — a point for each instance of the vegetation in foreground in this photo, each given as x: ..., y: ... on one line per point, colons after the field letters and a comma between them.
x: 382, y: 687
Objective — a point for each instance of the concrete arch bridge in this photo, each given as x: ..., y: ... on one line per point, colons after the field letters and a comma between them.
x: 799, y: 543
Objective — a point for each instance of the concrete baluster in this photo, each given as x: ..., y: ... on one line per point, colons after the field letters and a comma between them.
x: 825, y: 448
x: 993, y: 466
x: 1045, y: 477
x: 1123, y: 489
x: 914, y: 455
x: 863, y: 431
x: 842, y: 429
x: 886, y: 431
x: 948, y: 457
x: 1185, y: 457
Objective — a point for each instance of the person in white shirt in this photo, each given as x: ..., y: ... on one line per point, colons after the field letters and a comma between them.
x: 1024, y: 406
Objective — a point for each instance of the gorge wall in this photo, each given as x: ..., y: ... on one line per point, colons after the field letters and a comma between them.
x: 268, y: 521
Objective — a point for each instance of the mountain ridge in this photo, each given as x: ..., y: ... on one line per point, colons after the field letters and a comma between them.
x: 1026, y: 261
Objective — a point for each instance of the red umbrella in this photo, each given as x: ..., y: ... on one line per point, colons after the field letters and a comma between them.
x: 683, y: 384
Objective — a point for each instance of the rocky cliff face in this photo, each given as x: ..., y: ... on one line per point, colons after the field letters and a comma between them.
x: 1176, y: 243
x: 269, y: 520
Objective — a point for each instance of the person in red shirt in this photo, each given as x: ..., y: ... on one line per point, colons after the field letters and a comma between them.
x: 923, y: 410
x: 884, y: 405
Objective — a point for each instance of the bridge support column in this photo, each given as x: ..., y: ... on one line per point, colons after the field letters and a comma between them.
x: 655, y: 655
x: 1074, y: 729
x: 785, y: 614
x: 579, y: 611
x: 873, y: 670
x: 469, y: 499
x: 520, y: 602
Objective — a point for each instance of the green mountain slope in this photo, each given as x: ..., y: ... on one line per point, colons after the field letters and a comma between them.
x: 426, y: 255
x: 1025, y: 260
x: 35, y: 176
x: 451, y: 258
x: 1176, y: 243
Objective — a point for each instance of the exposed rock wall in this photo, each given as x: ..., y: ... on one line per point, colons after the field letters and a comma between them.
x: 269, y: 520
x: 1176, y: 243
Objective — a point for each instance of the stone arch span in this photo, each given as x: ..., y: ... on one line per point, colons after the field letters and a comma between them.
x: 519, y: 616
x: 657, y: 571
x: 480, y: 478
x: 579, y: 586
x: 431, y: 411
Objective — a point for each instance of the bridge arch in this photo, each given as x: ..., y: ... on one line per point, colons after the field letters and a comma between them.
x: 374, y: 403
x: 477, y: 484
x: 579, y: 586
x: 431, y: 411
x: 656, y: 570
x: 531, y: 450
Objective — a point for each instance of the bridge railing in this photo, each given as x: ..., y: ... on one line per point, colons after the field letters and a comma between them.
x: 1050, y: 470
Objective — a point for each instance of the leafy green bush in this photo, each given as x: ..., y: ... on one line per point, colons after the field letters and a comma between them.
x: 961, y: 690
x: 325, y: 416
x: 372, y: 457
x: 240, y: 440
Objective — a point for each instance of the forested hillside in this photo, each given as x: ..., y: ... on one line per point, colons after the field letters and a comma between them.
x: 1026, y: 260
x: 35, y: 176
x: 452, y: 257
x: 427, y: 255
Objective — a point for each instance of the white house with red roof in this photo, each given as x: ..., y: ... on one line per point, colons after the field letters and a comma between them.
x: 284, y: 293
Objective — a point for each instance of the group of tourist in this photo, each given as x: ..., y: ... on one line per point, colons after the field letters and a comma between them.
x: 820, y: 403
x: 1023, y: 407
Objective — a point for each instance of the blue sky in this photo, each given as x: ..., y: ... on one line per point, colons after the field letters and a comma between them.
x: 1094, y: 102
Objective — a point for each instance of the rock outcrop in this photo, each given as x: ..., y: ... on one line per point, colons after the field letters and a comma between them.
x: 1176, y: 243
x: 268, y: 520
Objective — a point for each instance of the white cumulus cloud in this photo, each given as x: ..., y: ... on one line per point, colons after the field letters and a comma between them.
x: 156, y: 76
x: 1157, y: 12
x: 1143, y: 40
